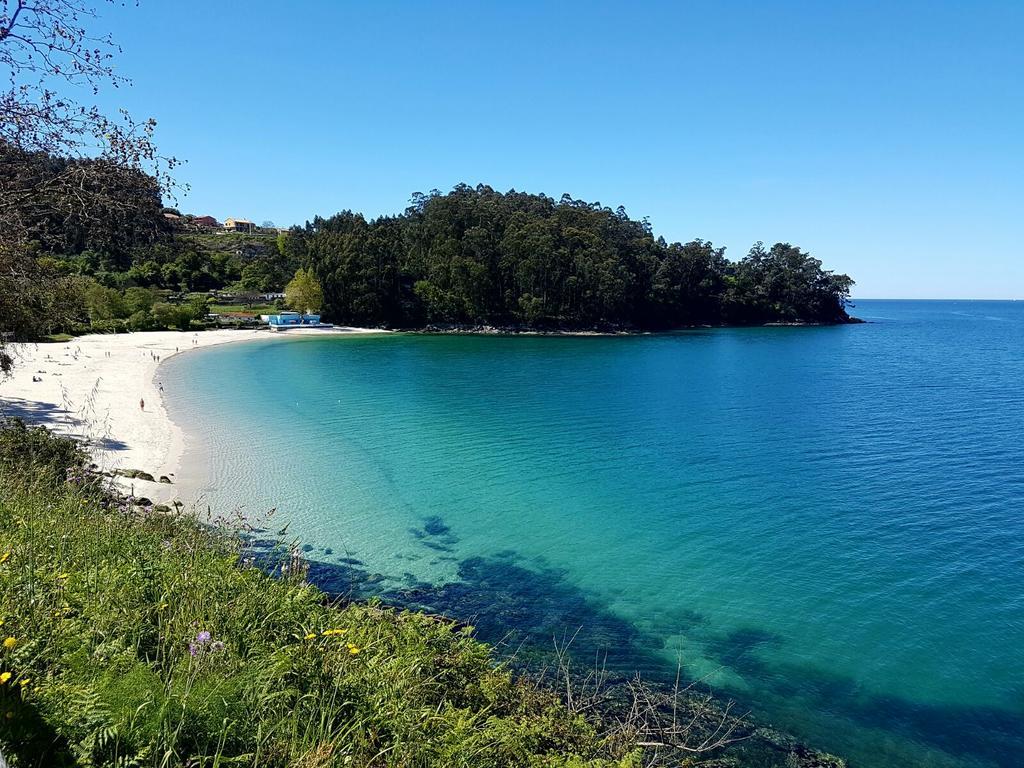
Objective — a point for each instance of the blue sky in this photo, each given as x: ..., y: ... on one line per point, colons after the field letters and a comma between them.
x: 886, y: 138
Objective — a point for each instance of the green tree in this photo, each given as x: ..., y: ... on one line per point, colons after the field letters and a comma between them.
x: 172, y: 316
x: 138, y: 300
x: 101, y: 302
x: 475, y: 256
x: 141, y: 321
x: 197, y: 307
x: 259, y: 275
x: 303, y: 293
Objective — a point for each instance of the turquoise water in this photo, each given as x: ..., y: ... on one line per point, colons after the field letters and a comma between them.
x: 825, y: 521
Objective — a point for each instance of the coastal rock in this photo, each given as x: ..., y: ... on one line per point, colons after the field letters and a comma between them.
x: 135, y: 474
x: 165, y: 479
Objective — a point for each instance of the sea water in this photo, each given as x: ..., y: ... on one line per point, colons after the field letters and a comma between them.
x: 824, y: 523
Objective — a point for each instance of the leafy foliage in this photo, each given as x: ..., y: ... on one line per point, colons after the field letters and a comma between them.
x: 475, y: 256
x: 304, y: 292
x: 34, y: 450
x: 74, y: 205
x: 149, y: 639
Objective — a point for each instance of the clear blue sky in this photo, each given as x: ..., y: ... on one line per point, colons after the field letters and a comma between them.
x: 886, y: 138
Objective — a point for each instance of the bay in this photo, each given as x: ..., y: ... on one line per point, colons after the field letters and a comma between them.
x: 824, y: 523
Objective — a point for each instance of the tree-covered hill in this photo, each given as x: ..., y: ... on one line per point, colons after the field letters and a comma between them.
x: 471, y: 257
x: 475, y: 256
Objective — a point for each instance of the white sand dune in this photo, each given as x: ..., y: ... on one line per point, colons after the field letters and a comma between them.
x: 91, y: 388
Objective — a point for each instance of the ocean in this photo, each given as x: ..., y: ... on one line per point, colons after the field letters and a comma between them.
x: 822, y: 523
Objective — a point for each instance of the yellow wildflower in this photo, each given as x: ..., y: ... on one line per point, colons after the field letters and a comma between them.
x: 353, y: 649
x: 10, y: 642
x: 4, y: 677
x: 310, y: 636
x: 333, y: 632
x: 5, y: 557
x: 25, y: 682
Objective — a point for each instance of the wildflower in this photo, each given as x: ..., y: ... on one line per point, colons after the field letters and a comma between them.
x: 310, y: 636
x: 353, y: 649
x: 5, y: 557
x: 9, y: 643
x: 203, y: 637
x: 25, y: 682
x: 193, y: 649
x: 4, y: 677
x: 333, y: 632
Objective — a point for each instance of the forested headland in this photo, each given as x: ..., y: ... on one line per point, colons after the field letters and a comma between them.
x: 97, y: 252
x: 475, y: 256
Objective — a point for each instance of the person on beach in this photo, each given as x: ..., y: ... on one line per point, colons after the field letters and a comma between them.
x: 142, y: 404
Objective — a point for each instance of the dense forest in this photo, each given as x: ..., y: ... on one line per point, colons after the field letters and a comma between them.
x: 87, y: 245
x: 475, y: 256
x: 469, y: 258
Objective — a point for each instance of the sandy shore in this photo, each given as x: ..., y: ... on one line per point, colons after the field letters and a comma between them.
x: 91, y: 388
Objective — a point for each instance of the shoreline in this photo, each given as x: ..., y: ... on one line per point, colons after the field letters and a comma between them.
x: 457, y: 329
x: 98, y: 396
x: 90, y: 388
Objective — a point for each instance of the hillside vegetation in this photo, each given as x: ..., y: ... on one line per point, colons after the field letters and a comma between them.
x: 134, y: 638
x: 470, y: 257
x: 476, y: 256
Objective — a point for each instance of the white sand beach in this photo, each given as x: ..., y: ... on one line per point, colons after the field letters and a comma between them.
x: 93, y: 387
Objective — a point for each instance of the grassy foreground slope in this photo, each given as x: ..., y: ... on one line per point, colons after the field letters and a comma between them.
x: 147, y: 639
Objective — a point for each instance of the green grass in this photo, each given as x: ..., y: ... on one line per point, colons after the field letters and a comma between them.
x: 108, y: 664
x: 141, y: 638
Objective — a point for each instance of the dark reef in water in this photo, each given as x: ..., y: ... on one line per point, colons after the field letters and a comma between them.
x: 522, y: 608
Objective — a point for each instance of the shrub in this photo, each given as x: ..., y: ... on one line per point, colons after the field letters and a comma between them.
x: 110, y: 326
x: 149, y: 639
x: 36, y: 453
x: 141, y: 321
x: 142, y: 636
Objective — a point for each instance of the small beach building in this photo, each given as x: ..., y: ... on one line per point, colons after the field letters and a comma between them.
x: 284, y: 320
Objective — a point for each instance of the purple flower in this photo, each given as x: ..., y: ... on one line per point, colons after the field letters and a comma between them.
x: 203, y: 637
x: 193, y: 649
